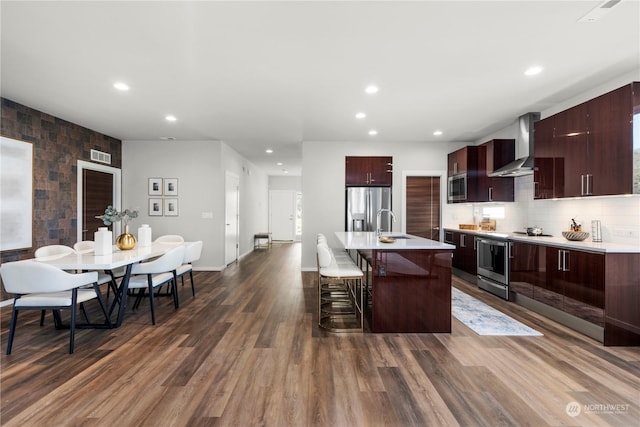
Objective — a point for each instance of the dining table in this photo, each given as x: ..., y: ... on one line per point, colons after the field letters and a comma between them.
x: 109, y: 262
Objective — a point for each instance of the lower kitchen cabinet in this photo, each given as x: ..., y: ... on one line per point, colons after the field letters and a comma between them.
x: 527, y: 268
x: 569, y: 280
x: 580, y: 277
x: 600, y: 288
x: 464, y: 256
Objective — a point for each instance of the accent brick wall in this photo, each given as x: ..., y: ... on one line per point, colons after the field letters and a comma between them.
x: 57, y: 147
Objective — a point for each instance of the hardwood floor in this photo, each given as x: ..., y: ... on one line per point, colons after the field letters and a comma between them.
x: 246, y: 351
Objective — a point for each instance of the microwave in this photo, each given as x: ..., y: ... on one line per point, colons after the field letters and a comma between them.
x: 457, y: 188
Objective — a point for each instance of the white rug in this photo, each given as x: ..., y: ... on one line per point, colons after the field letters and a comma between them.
x: 485, y: 320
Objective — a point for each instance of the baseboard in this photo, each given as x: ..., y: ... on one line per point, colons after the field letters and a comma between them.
x: 586, y: 328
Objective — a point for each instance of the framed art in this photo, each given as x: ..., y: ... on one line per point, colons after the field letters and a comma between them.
x: 171, y: 207
x: 171, y: 186
x: 155, y: 207
x: 16, y: 194
x: 155, y: 186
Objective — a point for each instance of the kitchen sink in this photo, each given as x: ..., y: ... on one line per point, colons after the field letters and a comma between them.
x: 401, y: 236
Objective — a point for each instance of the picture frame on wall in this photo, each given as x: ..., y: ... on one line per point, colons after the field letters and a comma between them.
x: 155, y: 186
x: 171, y: 207
x: 155, y: 207
x: 171, y: 186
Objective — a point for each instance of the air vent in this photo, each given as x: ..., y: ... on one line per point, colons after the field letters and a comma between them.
x: 599, y: 11
x: 99, y: 156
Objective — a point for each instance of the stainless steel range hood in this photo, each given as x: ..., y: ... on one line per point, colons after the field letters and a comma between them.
x: 524, y: 148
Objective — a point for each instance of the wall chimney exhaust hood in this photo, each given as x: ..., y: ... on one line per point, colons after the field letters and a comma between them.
x: 524, y: 148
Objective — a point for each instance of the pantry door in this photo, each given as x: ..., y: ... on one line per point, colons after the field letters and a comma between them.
x: 423, y: 194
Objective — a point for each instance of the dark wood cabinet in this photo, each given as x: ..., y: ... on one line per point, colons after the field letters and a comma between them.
x: 476, y: 162
x: 611, y: 142
x: 469, y: 161
x: 546, y: 164
x: 600, y: 288
x: 571, y: 148
x: 527, y: 268
x: 464, y: 256
x: 497, y: 153
x: 457, y: 162
x: 588, y: 150
x: 369, y: 171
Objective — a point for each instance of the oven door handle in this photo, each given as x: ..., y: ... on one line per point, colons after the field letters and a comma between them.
x: 492, y: 242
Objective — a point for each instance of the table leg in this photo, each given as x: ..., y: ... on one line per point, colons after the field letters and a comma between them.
x: 121, y: 297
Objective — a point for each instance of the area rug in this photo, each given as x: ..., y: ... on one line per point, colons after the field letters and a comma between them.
x: 485, y: 320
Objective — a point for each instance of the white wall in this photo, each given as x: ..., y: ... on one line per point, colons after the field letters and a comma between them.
x: 292, y: 183
x: 254, y: 197
x: 323, y: 177
x: 198, y: 165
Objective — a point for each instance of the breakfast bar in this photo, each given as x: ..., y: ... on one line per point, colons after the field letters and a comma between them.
x: 409, y: 285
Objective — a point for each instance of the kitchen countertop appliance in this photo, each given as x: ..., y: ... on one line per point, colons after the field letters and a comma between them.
x: 493, y: 265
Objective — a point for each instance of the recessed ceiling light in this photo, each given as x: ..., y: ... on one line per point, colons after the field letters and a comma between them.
x: 532, y: 71
x: 360, y: 115
x: 268, y: 151
x: 371, y: 89
x: 279, y: 164
x: 121, y: 86
x: 438, y: 133
x: 373, y: 132
x: 170, y: 118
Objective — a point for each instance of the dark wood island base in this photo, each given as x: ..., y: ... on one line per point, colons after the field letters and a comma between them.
x: 410, y: 291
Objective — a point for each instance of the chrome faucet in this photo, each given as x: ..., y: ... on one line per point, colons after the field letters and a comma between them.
x: 378, y: 230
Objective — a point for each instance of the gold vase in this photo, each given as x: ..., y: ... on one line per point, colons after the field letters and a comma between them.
x: 126, y: 241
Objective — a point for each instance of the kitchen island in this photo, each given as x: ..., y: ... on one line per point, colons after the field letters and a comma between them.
x: 409, y: 281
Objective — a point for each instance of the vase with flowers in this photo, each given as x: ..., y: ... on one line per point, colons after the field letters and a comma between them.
x: 126, y: 240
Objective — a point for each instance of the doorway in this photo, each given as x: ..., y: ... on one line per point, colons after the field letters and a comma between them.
x: 98, y: 187
x: 282, y: 214
x: 423, y: 206
x: 232, y: 217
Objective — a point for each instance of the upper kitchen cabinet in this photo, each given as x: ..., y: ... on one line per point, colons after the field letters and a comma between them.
x: 463, y: 174
x: 544, y: 165
x: 461, y: 160
x: 611, y: 142
x: 498, y: 153
x: 590, y: 149
x: 570, y: 145
x: 369, y: 171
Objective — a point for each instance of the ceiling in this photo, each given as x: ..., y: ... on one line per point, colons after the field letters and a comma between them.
x: 265, y: 74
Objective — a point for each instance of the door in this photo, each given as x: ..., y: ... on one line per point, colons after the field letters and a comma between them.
x: 423, y: 206
x: 232, y: 215
x: 98, y: 187
x: 282, y: 215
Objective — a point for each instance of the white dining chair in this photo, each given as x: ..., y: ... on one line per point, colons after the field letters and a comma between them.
x: 170, y: 239
x: 39, y: 286
x: 192, y: 253
x: 53, y: 251
x: 86, y: 246
x: 147, y: 276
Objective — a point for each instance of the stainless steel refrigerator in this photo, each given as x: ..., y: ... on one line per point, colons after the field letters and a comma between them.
x: 362, y: 206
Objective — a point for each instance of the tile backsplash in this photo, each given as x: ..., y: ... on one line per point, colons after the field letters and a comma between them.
x: 619, y: 215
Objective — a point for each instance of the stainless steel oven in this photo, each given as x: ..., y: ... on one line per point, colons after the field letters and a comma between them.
x: 493, y: 266
x: 457, y: 187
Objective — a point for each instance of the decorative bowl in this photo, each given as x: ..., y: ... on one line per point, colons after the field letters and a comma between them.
x: 575, y: 235
x: 386, y: 239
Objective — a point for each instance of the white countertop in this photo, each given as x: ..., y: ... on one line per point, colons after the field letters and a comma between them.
x: 369, y: 240
x: 559, y: 241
